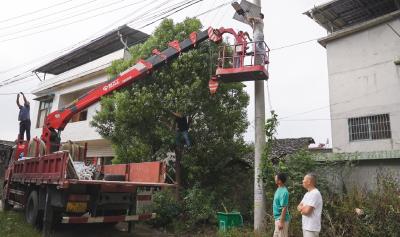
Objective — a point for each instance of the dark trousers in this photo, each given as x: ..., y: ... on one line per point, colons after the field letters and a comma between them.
x: 25, y: 126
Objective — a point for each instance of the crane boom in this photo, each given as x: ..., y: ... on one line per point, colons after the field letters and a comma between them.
x: 56, y: 121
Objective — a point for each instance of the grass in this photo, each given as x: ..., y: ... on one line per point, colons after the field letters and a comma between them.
x: 12, y: 224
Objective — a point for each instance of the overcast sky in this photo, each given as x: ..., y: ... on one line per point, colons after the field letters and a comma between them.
x: 298, y: 81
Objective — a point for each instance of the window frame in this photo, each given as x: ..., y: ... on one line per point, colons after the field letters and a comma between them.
x: 369, y: 128
x: 45, y: 109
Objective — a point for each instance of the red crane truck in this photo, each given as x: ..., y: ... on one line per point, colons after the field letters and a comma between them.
x: 46, y: 185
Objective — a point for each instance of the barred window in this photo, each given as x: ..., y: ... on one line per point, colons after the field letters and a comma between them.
x: 369, y: 127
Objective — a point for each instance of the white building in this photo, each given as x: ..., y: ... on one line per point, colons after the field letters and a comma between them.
x: 363, y: 52
x: 76, y: 73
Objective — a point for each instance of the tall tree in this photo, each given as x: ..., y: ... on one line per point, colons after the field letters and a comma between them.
x: 137, y: 119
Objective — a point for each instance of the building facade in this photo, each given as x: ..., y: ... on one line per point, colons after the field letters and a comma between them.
x: 363, y: 53
x: 76, y: 73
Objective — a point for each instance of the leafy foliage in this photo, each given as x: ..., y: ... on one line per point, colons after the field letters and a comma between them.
x: 196, y: 208
x: 378, y: 214
x: 168, y: 208
x: 199, y: 206
x: 138, y: 121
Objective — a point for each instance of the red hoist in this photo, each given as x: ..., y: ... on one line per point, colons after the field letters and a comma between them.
x: 243, y: 61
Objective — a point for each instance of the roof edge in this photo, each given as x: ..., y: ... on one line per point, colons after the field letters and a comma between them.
x: 45, y: 89
x: 359, y: 27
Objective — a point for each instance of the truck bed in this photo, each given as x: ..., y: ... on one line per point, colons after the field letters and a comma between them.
x: 56, y: 169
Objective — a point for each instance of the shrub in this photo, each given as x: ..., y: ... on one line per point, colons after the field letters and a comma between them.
x: 199, y: 206
x: 167, y: 208
x: 378, y: 212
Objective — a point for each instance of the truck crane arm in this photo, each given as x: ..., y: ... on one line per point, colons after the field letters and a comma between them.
x: 56, y: 121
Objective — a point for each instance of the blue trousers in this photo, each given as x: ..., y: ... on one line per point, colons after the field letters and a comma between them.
x: 185, y: 135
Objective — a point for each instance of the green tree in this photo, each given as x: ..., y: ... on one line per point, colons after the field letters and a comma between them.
x: 137, y: 119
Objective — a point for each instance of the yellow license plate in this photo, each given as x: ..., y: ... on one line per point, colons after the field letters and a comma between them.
x: 76, y: 207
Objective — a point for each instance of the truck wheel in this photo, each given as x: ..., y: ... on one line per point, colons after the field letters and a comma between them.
x: 32, y: 209
x: 114, y: 177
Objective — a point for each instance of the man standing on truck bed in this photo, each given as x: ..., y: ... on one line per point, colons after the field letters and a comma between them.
x: 24, y: 118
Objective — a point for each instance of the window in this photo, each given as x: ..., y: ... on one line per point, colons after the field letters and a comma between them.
x: 81, y: 116
x: 369, y: 127
x: 44, y: 110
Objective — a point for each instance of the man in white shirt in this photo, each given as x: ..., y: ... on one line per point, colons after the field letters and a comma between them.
x: 311, y: 207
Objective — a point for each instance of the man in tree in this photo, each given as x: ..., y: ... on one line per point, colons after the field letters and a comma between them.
x: 24, y: 118
x: 182, y: 123
x: 280, y: 207
x: 311, y: 207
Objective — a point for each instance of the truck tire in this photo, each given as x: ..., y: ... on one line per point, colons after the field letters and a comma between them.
x: 32, y: 209
x: 114, y: 177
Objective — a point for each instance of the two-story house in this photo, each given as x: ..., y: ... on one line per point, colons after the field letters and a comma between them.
x: 363, y: 52
x: 74, y: 74
x: 363, y: 55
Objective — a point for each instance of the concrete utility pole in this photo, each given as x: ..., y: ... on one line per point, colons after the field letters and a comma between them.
x: 259, y: 194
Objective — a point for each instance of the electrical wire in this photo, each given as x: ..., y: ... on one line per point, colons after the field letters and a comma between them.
x: 269, y: 98
x: 178, y: 10
x: 36, y: 11
x: 213, y: 9
x: 69, y: 17
x: 164, y: 11
x: 45, y: 16
x: 71, y: 46
x: 35, y: 60
x: 8, y: 81
x: 67, y: 24
x: 15, y: 93
x: 294, y: 44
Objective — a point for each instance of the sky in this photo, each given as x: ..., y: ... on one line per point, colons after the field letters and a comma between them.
x: 34, y: 32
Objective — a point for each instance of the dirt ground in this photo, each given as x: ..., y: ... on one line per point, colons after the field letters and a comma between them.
x: 102, y: 230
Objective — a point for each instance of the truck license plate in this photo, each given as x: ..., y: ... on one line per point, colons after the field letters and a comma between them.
x: 76, y: 207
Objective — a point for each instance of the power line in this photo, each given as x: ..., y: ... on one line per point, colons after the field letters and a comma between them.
x: 29, y: 71
x: 340, y: 102
x: 216, y: 13
x: 213, y: 9
x: 294, y: 44
x: 69, y: 47
x: 45, y: 16
x: 69, y: 17
x: 142, y: 40
x: 15, y: 93
x: 222, y: 16
x: 326, y: 119
x: 177, y: 9
x: 306, y: 112
x: 33, y: 12
x: 162, y: 12
x: 67, y: 24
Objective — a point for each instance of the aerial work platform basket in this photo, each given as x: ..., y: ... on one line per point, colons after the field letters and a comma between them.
x: 247, y: 61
